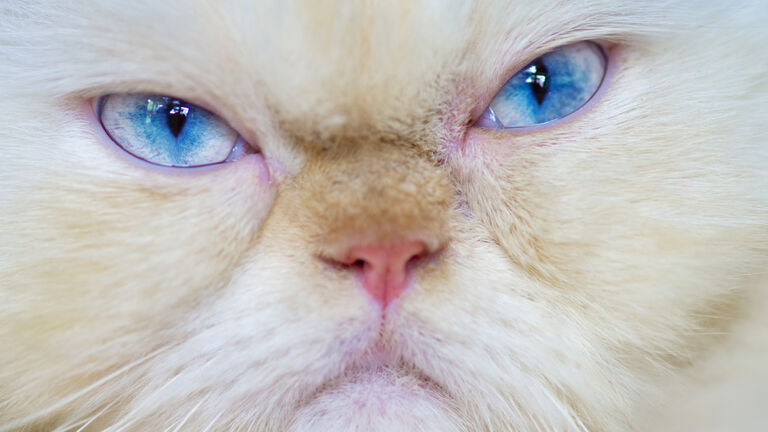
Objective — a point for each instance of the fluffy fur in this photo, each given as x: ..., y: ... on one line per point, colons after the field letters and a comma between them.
x: 603, y: 274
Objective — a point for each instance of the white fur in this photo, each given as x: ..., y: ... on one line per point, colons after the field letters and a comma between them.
x: 604, y: 274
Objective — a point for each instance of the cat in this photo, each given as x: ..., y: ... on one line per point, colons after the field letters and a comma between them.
x: 381, y: 251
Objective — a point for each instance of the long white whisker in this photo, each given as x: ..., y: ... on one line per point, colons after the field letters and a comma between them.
x: 535, y: 421
x: 126, y: 421
x: 103, y: 410
x: 82, y: 422
x: 210, y: 425
x: 71, y: 425
x: 575, y: 422
x: 189, y: 414
x: 17, y: 424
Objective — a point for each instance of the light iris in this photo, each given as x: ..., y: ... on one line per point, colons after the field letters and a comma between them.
x: 168, y: 131
x: 549, y: 88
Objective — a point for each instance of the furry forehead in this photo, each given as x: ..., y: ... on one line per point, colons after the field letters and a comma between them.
x: 238, y: 55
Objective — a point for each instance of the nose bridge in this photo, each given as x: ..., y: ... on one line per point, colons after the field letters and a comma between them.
x: 375, y: 195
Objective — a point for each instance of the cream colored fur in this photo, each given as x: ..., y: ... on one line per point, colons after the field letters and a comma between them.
x: 604, y: 274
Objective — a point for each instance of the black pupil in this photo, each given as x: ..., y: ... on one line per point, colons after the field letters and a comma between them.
x: 177, y: 116
x: 538, y: 78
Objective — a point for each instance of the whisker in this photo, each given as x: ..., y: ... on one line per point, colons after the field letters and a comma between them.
x: 96, y: 416
x: 16, y: 424
x: 535, y: 421
x: 189, y: 414
x: 70, y: 425
x: 126, y: 421
x: 575, y: 422
x: 82, y: 422
x: 210, y: 425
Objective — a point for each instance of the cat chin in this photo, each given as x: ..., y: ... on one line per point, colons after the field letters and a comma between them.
x: 380, y: 399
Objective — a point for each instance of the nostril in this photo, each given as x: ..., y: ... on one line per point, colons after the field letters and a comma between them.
x: 418, y: 256
x: 383, y: 270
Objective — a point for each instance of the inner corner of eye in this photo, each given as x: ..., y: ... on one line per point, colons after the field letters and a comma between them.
x: 97, y: 103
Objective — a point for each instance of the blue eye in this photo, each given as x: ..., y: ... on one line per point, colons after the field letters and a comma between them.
x: 167, y: 131
x: 549, y: 88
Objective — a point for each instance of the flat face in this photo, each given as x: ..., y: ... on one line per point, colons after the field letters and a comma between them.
x: 377, y: 251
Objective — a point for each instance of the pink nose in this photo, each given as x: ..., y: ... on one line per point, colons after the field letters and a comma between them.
x: 385, y: 268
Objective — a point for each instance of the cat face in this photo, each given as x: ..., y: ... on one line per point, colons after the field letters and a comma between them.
x: 379, y: 261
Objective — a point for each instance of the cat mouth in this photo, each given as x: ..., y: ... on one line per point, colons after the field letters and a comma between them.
x: 380, y: 371
x: 379, y: 359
